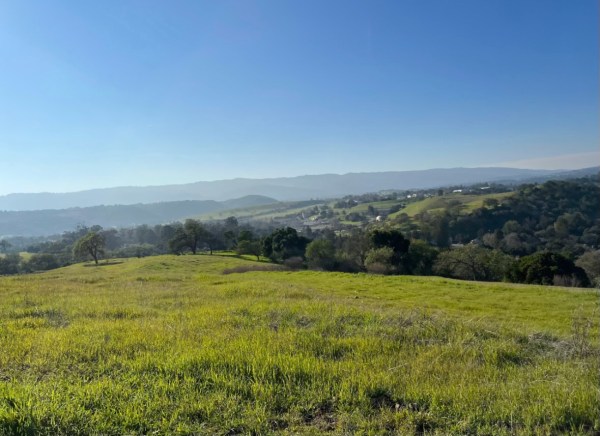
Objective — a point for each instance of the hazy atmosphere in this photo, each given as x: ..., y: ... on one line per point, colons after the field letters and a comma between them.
x: 100, y: 94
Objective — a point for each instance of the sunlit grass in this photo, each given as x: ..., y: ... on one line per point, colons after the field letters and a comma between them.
x: 469, y: 203
x: 263, y: 212
x: 364, y: 207
x: 171, y: 344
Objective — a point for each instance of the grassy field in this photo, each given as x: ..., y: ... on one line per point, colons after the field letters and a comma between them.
x: 264, y: 212
x: 363, y: 207
x: 468, y: 202
x: 204, y: 344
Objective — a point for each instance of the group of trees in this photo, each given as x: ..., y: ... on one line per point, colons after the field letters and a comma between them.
x: 387, y: 251
x: 13, y: 263
x: 553, y: 216
x: 546, y: 234
x: 474, y: 262
x: 95, y: 243
x: 376, y: 250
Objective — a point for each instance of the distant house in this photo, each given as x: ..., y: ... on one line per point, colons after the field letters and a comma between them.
x: 457, y: 190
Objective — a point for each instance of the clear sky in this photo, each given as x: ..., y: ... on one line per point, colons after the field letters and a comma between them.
x: 116, y: 92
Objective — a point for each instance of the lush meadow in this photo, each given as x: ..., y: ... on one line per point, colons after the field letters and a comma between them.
x: 204, y: 344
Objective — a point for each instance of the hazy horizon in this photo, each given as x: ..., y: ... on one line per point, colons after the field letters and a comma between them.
x: 567, y: 168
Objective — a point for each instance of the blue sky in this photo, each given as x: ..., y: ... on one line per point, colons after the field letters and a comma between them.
x: 112, y: 93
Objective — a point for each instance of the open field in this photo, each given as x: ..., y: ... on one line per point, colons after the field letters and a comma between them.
x: 169, y: 344
x: 385, y: 204
x: 467, y: 201
x: 263, y: 212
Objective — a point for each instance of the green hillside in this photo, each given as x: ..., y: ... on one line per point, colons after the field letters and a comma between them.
x: 207, y: 345
x: 263, y: 212
x: 467, y: 202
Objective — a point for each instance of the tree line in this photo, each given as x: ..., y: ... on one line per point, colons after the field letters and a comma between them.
x: 388, y: 251
x: 546, y: 234
x: 140, y: 241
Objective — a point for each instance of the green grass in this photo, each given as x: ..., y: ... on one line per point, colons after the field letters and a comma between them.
x: 25, y: 255
x: 168, y: 345
x: 263, y: 212
x: 432, y: 204
x: 379, y: 205
x: 476, y: 201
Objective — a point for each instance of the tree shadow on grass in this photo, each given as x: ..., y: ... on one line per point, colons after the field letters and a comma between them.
x: 107, y: 263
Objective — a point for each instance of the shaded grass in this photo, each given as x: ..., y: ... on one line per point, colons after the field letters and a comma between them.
x: 247, y: 268
x: 171, y: 345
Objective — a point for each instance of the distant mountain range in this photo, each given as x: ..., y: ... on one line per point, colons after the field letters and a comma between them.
x: 55, y: 221
x: 283, y: 189
x: 48, y: 213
